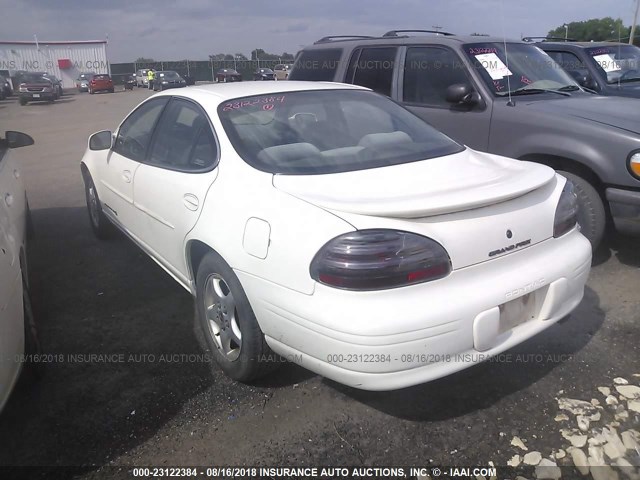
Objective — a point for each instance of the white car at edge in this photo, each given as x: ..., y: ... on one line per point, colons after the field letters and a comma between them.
x: 327, y: 224
x: 17, y: 329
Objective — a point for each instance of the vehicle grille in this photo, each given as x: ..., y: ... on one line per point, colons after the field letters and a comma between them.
x: 35, y: 89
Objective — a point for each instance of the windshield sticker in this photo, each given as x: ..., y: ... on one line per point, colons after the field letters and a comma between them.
x: 266, y: 102
x: 607, y: 63
x: 600, y: 51
x: 481, y: 50
x: 493, y: 65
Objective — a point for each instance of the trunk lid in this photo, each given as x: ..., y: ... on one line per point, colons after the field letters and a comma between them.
x: 454, y: 183
x: 477, y: 206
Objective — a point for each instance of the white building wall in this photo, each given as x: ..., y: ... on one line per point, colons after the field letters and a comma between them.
x: 43, y: 57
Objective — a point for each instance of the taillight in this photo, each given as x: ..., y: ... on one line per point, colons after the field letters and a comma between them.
x: 566, y: 211
x: 378, y: 259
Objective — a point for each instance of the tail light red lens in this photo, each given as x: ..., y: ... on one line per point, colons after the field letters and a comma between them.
x: 379, y: 259
x: 566, y: 211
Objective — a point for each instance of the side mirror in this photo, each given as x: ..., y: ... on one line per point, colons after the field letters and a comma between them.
x: 18, y: 139
x: 462, y: 93
x: 587, y: 81
x: 101, y: 140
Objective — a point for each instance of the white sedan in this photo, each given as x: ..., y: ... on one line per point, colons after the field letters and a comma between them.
x: 330, y: 226
x: 17, y: 329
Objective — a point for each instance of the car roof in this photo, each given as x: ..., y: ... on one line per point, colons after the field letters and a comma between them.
x: 579, y: 44
x: 448, y: 39
x: 228, y: 91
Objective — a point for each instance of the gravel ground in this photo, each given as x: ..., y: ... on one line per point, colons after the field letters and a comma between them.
x: 127, y: 384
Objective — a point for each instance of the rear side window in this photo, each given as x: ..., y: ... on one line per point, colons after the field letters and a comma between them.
x: 135, y: 132
x: 373, y: 69
x: 317, y: 65
x: 183, y: 140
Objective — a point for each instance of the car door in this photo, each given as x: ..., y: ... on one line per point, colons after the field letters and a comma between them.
x: 171, y: 186
x: 123, y: 160
x: 576, y: 67
x: 11, y: 317
x: 426, y: 72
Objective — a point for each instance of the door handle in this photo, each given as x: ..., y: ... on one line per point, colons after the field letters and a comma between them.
x: 191, y: 201
x: 8, y: 199
x: 126, y: 176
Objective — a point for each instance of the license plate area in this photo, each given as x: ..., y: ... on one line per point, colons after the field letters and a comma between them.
x: 36, y: 95
x: 520, y: 310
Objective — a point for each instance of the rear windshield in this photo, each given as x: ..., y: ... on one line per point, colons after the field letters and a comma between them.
x: 170, y: 75
x: 101, y: 77
x: 328, y: 131
x: 34, y: 78
x: 317, y: 65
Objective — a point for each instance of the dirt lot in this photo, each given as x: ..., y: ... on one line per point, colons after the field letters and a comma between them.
x: 126, y: 384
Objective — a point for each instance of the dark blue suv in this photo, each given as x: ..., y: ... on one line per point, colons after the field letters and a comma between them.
x: 605, y: 67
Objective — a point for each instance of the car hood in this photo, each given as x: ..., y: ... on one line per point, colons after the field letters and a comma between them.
x: 615, y: 112
x: 442, y: 185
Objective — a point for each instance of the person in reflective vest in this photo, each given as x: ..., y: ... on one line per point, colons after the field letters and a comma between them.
x: 150, y: 77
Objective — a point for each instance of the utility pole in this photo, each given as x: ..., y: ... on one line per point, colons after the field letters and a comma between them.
x: 633, y: 25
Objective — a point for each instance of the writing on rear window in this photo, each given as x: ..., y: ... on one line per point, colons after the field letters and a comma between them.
x: 255, y: 101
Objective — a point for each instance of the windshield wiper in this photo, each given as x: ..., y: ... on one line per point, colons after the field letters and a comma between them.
x: 568, y: 88
x: 530, y: 91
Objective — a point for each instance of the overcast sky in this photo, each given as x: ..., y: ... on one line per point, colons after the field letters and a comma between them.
x: 193, y: 29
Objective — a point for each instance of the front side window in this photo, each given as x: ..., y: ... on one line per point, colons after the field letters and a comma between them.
x: 620, y: 63
x: 373, y: 68
x: 317, y: 65
x: 183, y: 139
x: 428, y: 72
x: 519, y: 69
x: 135, y: 132
x: 328, y: 131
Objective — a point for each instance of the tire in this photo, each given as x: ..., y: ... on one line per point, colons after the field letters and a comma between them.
x: 90, y: 91
x: 31, y: 338
x: 112, y: 90
x: 31, y: 230
x: 32, y: 346
x: 592, y: 216
x: 100, y: 224
x: 23, y: 101
x: 227, y: 322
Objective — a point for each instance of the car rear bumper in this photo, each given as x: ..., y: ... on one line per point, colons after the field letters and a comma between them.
x: 37, y: 96
x: 625, y: 210
x: 397, y: 338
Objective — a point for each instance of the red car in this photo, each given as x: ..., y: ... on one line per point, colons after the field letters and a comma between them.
x: 101, y: 83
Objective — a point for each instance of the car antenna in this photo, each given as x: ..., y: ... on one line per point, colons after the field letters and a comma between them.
x: 619, y: 54
x: 510, y: 103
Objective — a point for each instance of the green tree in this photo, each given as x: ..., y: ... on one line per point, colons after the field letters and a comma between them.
x: 145, y: 60
x: 596, y: 29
